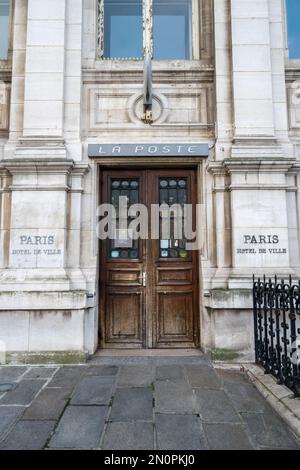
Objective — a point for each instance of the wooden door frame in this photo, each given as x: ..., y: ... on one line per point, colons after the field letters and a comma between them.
x: 155, y: 164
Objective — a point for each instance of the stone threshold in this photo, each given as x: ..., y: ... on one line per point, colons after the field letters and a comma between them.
x: 148, y: 353
x: 279, y: 397
x: 148, y: 357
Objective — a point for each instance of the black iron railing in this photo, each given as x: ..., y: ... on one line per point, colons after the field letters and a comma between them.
x: 276, y: 309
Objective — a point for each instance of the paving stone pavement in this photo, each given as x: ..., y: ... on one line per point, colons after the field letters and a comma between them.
x: 131, y: 405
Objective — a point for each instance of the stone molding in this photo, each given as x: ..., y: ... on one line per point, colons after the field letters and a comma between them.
x: 258, y: 164
x: 4, y: 106
x: 17, y: 300
x: 5, y: 72
x: 133, y: 73
x: 58, y: 167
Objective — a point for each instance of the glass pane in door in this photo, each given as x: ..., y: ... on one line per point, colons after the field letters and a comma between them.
x: 125, y: 191
x: 173, y: 194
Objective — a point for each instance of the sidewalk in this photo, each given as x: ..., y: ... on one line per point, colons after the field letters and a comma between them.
x: 162, y: 403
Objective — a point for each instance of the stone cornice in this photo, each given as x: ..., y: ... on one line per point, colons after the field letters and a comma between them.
x: 271, y: 164
x: 63, y: 175
x: 296, y: 166
x: 3, y: 172
x: 23, y: 166
x: 197, y: 74
x: 80, y: 169
x: 292, y: 74
x: 5, y: 71
x: 216, y: 168
x: 231, y: 165
x: 52, y: 168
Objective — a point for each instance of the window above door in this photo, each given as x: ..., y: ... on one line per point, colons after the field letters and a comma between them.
x: 4, y: 28
x: 293, y: 22
x: 128, y: 29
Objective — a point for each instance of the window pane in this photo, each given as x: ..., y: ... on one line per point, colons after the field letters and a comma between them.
x: 123, y: 29
x: 172, y: 29
x: 293, y: 20
x: 124, y: 246
x: 4, y: 14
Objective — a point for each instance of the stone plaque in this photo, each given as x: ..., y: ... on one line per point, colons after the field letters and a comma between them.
x: 39, y: 249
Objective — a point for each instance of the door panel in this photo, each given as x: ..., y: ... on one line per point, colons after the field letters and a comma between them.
x: 123, y: 276
x: 124, y: 319
x: 174, y: 276
x: 175, y: 268
x: 175, y: 317
x: 122, y: 294
x: 149, y: 288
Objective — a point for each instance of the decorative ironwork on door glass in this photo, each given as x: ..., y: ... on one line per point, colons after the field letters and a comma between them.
x: 124, y: 246
x: 173, y: 195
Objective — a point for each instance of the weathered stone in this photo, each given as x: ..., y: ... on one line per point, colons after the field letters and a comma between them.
x: 136, y: 435
x: 174, y: 396
x: 270, y: 431
x: 197, y: 359
x: 227, y: 437
x: 232, y: 376
x: 179, y: 432
x: 8, y: 416
x: 293, y: 404
x: 203, y: 376
x: 131, y: 418
x: 11, y: 373
x: 40, y: 373
x: 93, y: 391
x: 245, y: 398
x: 48, y: 405
x: 23, y: 394
x: 80, y: 428
x: 68, y: 373
x: 28, y: 435
x: 170, y: 372
x: 67, y: 378
x: 130, y: 404
x: 214, y: 406
x: 136, y: 376
x: 101, y: 370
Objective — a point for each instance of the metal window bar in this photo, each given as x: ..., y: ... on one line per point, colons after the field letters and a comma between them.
x: 276, y: 314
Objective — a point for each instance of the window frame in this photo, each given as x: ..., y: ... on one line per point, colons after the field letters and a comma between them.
x: 286, y: 33
x: 9, y: 34
x: 148, y: 33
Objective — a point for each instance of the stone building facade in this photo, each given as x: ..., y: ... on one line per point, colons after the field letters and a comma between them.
x: 237, y: 92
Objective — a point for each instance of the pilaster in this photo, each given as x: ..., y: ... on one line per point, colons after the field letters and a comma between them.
x: 223, y: 79
x: 252, y: 69
x: 44, y: 69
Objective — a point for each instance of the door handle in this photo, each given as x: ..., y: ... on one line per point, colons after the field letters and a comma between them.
x: 144, y: 279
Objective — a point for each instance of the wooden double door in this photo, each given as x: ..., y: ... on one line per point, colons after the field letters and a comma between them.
x: 148, y: 286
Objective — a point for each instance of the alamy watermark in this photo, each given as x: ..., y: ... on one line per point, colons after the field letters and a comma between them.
x: 160, y: 221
